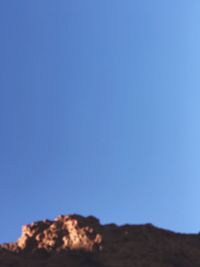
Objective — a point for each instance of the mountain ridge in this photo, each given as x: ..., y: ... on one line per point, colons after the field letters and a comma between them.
x: 78, y: 241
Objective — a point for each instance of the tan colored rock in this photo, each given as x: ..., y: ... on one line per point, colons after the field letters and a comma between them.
x: 65, y: 232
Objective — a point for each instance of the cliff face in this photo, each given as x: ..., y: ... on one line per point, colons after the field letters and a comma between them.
x: 76, y: 241
x: 65, y: 232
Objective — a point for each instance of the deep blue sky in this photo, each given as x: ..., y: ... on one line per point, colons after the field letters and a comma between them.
x: 99, y: 112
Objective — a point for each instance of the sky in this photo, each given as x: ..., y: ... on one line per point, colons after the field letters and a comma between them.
x: 99, y: 112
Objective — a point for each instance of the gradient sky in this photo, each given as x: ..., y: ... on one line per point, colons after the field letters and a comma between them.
x: 100, y: 112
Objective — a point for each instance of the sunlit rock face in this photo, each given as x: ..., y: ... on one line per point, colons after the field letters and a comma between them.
x: 65, y: 232
x: 77, y: 241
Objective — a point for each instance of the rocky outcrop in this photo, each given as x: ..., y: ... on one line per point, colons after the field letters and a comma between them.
x: 65, y: 232
x: 77, y: 241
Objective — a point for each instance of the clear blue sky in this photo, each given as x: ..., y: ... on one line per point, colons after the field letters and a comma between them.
x: 99, y: 112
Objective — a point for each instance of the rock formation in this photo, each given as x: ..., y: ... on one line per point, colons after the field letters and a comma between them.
x: 77, y: 241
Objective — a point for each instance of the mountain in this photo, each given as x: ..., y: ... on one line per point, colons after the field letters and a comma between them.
x: 77, y: 241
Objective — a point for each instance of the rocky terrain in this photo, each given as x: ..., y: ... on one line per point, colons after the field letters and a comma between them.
x: 77, y: 241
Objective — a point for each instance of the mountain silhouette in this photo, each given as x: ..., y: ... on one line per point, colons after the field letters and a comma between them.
x: 77, y: 241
